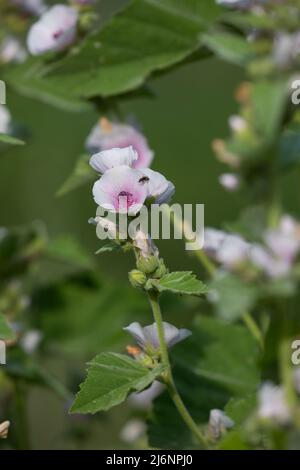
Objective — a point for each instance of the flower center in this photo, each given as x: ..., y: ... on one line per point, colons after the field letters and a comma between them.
x: 57, y: 34
x: 125, y: 199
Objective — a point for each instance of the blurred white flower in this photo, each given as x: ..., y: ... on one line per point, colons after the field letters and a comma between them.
x: 237, y: 123
x: 133, y: 430
x: 106, y: 135
x: 4, y: 429
x: 285, y: 240
x: 11, y: 50
x: 30, y: 341
x: 271, y: 266
x: 143, y: 400
x: 229, y: 181
x: 272, y: 404
x: 218, y: 423
x: 55, y: 30
x: 225, y: 248
x: 147, y: 337
x: 5, y: 119
x: 286, y: 48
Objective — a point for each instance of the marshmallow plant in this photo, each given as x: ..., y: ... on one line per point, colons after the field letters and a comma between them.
x: 124, y: 189
x: 55, y: 30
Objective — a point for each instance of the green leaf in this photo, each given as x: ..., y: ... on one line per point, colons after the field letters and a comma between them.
x: 269, y: 101
x: 63, y: 257
x: 108, y: 247
x: 232, y: 297
x: 81, y: 174
x: 229, y: 47
x: 8, y: 139
x: 5, y: 331
x: 218, y: 362
x: 111, y: 377
x: 289, y: 147
x: 180, y: 282
x: 107, y: 306
x: 147, y: 36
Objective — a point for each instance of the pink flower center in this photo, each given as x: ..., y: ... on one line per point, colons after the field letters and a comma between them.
x: 125, y: 199
x: 57, y: 34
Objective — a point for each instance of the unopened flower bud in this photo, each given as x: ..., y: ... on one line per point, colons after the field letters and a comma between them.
x: 148, y: 265
x: 137, y: 278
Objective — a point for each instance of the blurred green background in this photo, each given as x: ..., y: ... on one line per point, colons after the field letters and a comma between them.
x: 190, y: 108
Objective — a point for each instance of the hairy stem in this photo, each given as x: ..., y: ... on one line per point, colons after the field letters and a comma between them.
x: 169, y: 380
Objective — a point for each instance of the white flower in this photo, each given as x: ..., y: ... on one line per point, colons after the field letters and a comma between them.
x: 158, y: 186
x: 55, y: 30
x: 229, y: 181
x: 133, y: 430
x: 106, y: 135
x: 5, y: 119
x: 11, y: 50
x: 147, y: 337
x: 272, y: 404
x: 284, y: 241
x: 30, y: 341
x: 232, y: 251
x: 286, y: 48
x: 218, y: 423
x: 108, y: 159
x: 237, y: 123
x: 143, y: 400
x: 4, y: 429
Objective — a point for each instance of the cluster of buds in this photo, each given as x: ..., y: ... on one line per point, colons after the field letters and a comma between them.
x: 275, y: 258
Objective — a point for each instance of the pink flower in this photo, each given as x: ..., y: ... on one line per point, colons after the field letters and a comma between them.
x: 121, y: 189
x: 54, y: 31
x: 107, y: 135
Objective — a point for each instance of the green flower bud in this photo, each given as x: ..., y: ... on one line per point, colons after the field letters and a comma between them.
x: 147, y: 265
x: 137, y: 278
x: 161, y: 270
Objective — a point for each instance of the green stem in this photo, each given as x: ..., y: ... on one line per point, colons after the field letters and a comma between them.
x: 254, y: 329
x: 169, y: 380
x: 21, y: 412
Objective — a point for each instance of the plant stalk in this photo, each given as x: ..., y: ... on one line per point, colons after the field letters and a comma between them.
x: 169, y: 380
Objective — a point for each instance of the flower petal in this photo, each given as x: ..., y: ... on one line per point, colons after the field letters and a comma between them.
x: 112, y: 158
x: 137, y: 331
